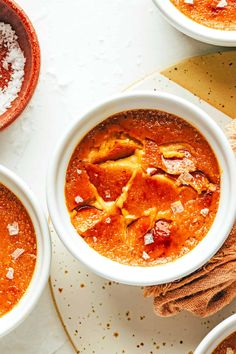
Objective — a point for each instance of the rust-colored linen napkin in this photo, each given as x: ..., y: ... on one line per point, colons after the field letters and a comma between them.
x: 204, y: 292
x: 207, y: 290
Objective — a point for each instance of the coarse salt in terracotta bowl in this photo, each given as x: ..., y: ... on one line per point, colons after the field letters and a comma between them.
x: 12, y: 14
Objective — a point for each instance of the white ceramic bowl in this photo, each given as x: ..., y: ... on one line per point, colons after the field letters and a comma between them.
x: 14, y: 317
x: 216, y: 336
x: 130, y: 274
x: 194, y: 29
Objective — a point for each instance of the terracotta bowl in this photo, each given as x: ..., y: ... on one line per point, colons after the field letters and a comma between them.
x: 11, y: 13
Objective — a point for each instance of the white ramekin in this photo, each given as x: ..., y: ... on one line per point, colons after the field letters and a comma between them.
x: 193, y: 29
x: 19, y: 312
x: 217, y: 335
x: 130, y: 274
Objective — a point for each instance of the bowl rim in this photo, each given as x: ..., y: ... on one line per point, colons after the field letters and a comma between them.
x: 217, y: 335
x: 193, y: 29
x: 17, y: 109
x: 22, y: 309
x: 60, y: 216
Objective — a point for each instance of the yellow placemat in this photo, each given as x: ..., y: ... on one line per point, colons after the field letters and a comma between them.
x: 211, y: 77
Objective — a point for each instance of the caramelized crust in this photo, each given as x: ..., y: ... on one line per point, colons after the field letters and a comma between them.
x: 215, y: 13
x: 143, y: 187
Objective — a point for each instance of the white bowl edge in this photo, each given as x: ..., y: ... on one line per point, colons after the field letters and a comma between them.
x: 216, y: 336
x: 193, y: 29
x: 22, y: 309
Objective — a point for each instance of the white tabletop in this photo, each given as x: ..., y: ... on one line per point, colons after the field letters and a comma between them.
x: 90, y: 49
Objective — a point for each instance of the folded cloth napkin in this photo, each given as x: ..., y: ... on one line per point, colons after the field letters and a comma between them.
x: 207, y: 290
x: 204, y: 292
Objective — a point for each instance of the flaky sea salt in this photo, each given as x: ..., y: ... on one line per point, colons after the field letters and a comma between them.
x: 108, y: 220
x: 145, y: 255
x: 222, y: 3
x: 177, y: 207
x: 151, y: 171
x: 17, y: 253
x: 13, y: 229
x: 204, y: 212
x: 10, y: 273
x: 148, y: 238
x: 14, y: 60
x: 185, y: 178
x: 78, y: 199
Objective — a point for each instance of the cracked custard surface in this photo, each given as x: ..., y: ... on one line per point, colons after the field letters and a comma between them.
x: 143, y: 187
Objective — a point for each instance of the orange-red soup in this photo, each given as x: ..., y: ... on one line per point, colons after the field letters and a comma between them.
x: 211, y: 13
x: 17, y: 250
x: 228, y: 346
x: 143, y: 187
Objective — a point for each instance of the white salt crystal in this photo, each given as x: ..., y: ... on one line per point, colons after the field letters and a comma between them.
x: 177, y: 207
x: 185, y: 178
x: 191, y: 2
x: 17, y: 253
x: 148, y: 238
x: 78, y: 199
x: 15, y: 58
x: 151, y: 171
x: 10, y: 273
x: 222, y: 3
x: 145, y: 255
x: 204, y: 212
x: 13, y: 229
